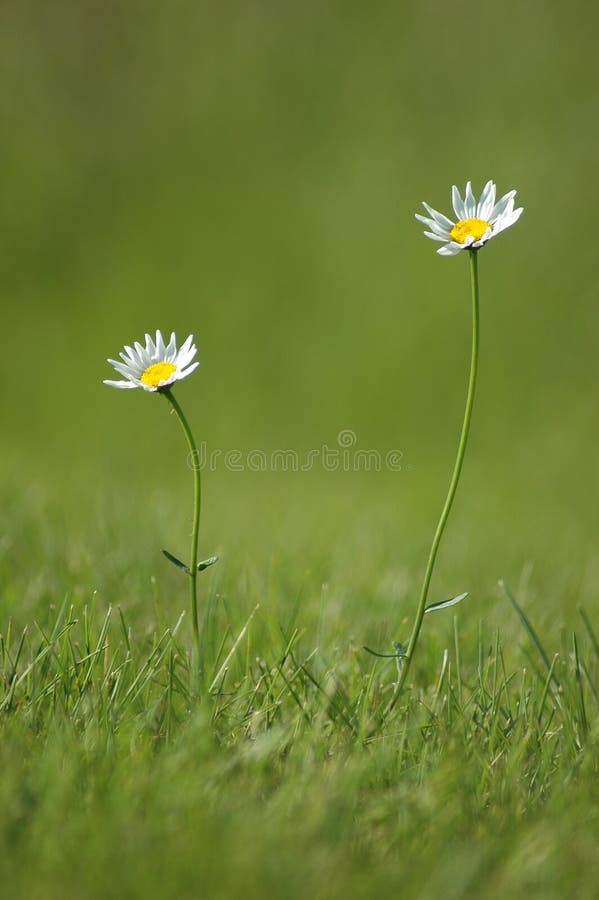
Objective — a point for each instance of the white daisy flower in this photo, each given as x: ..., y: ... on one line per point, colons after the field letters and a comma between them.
x: 155, y: 366
x: 477, y: 222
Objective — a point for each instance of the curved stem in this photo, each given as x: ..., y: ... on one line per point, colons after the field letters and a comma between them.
x: 452, y: 485
x: 197, y: 502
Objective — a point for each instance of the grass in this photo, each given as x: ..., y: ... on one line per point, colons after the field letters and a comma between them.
x: 281, y: 774
x: 251, y: 176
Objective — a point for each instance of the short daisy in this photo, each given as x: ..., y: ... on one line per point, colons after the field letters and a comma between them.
x: 155, y: 366
x: 477, y: 222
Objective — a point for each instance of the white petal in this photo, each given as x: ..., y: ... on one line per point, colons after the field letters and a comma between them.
x: 430, y: 223
x: 187, y: 344
x: 483, y: 196
x: 171, y: 349
x: 122, y: 367
x: 438, y: 217
x: 458, y: 204
x: 434, y: 227
x: 508, y: 209
x: 183, y: 373
x: 150, y: 346
x: 450, y: 249
x: 145, y: 387
x: 441, y: 232
x: 124, y: 385
x: 469, y: 201
x: 488, y: 234
x: 131, y: 354
x: 183, y: 359
x: 501, y: 205
x: 487, y: 201
x: 507, y: 220
x: 436, y: 237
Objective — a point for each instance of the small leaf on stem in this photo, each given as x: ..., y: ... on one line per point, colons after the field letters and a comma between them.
x: 175, y: 561
x: 443, y: 604
x: 399, y: 648
x: 207, y: 562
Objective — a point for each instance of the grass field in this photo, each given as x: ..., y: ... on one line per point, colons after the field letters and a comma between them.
x: 250, y: 175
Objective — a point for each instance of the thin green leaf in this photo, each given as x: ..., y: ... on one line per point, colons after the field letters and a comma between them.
x: 444, y: 604
x: 528, y: 627
x: 589, y: 628
x: 400, y: 651
x: 175, y: 561
x: 206, y: 562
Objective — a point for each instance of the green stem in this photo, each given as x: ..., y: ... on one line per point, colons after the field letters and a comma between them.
x: 197, y: 502
x: 453, y: 484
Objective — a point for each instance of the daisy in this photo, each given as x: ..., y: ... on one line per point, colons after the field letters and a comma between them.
x: 477, y: 222
x: 155, y: 366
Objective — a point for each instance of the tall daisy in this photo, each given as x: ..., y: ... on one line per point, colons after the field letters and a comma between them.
x: 156, y: 367
x: 477, y: 221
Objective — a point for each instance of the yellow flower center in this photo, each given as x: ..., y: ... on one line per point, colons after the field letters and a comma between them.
x: 157, y: 372
x: 474, y: 228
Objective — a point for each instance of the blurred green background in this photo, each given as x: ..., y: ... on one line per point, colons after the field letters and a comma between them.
x: 249, y: 172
